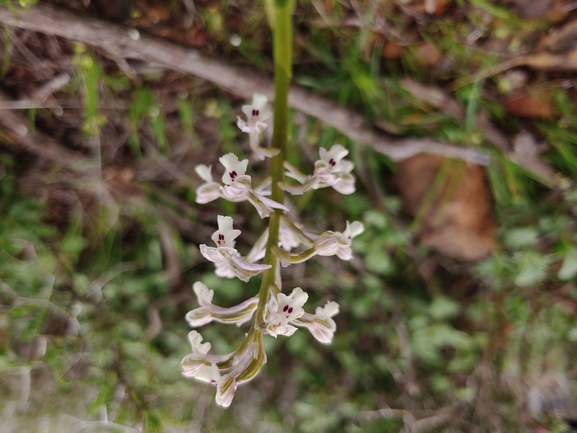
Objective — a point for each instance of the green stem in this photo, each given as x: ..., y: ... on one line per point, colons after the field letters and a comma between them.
x: 282, y: 52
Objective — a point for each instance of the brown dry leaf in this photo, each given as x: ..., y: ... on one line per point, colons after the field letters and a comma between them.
x: 329, y: 5
x: 428, y: 54
x: 459, y: 221
x: 526, y: 153
x: 433, y: 7
x: 392, y: 50
x: 534, y: 105
x: 533, y: 8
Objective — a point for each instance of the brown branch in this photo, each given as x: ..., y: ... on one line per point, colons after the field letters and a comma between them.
x: 123, y: 43
x: 17, y: 131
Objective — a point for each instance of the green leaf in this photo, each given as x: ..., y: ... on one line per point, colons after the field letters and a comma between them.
x: 569, y: 268
x: 532, y: 269
x: 426, y: 342
x: 443, y: 308
x: 521, y: 237
x: 378, y: 259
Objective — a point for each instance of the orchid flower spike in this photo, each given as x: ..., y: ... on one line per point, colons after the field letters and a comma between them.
x: 226, y: 256
x: 225, y: 372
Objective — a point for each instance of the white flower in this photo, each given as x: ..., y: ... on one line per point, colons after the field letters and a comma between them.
x: 237, y: 186
x: 326, y: 244
x: 321, y: 325
x: 226, y: 256
x: 208, y: 191
x: 226, y: 372
x: 208, y: 312
x: 233, y: 168
x: 331, y: 243
x: 200, y: 364
x: 333, y: 158
x: 225, y: 235
x: 255, y: 125
x: 331, y: 169
x: 255, y: 115
x: 282, y: 309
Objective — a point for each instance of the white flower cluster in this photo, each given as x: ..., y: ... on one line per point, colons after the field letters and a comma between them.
x: 278, y: 313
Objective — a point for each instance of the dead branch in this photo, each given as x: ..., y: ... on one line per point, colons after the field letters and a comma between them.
x: 123, y: 43
x: 16, y: 128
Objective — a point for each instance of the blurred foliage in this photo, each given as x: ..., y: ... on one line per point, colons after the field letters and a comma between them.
x: 98, y: 258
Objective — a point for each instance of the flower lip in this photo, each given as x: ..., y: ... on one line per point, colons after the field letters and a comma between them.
x: 256, y: 114
x: 333, y: 158
x: 282, y: 309
x: 225, y: 235
x: 233, y: 168
x: 257, y: 110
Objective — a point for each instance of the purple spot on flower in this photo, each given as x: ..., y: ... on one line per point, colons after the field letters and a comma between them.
x: 285, y: 308
x: 232, y: 174
x: 290, y: 310
x: 332, y: 162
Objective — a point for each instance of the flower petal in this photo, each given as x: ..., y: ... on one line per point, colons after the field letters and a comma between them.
x: 322, y: 328
x: 210, y: 374
x: 211, y: 253
x: 245, y: 270
x: 233, y: 167
x: 239, y: 189
x: 354, y: 229
x: 238, y: 314
x: 204, y: 172
x: 195, y: 342
x: 225, y: 390
x: 225, y: 235
x: 335, y: 153
x: 345, y: 184
x: 203, y: 294
x: 327, y: 244
x: 207, y: 193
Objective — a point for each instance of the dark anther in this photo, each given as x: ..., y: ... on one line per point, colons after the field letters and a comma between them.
x: 290, y: 310
x: 285, y: 308
x: 332, y: 162
x: 232, y: 174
